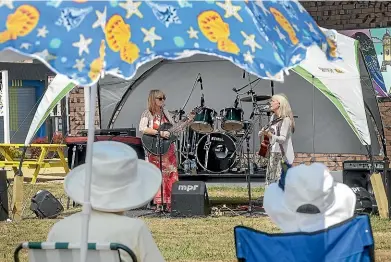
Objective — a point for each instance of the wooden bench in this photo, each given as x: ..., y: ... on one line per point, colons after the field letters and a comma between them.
x: 36, y: 164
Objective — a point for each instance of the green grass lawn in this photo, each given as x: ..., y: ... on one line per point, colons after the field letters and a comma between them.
x: 190, y: 239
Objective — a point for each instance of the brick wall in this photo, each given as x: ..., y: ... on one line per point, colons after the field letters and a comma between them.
x: 385, y: 111
x: 338, y: 15
x: 77, y: 111
x: 350, y: 14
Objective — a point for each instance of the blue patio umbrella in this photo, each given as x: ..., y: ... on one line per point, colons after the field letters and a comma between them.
x: 85, y: 39
x: 81, y: 39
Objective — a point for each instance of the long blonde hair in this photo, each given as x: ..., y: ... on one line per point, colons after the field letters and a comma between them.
x: 153, y: 94
x: 285, y: 109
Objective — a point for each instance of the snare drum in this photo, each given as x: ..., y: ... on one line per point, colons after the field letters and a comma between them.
x: 232, y: 119
x: 203, y: 121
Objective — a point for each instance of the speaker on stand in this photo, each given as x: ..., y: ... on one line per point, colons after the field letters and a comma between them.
x: 356, y: 175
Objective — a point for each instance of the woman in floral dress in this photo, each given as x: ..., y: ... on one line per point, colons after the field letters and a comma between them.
x: 149, y: 124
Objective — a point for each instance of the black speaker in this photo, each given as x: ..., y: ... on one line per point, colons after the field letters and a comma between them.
x: 189, y: 198
x: 45, y: 205
x: 356, y: 173
x: 81, y: 152
x: 356, y: 178
x: 3, y: 195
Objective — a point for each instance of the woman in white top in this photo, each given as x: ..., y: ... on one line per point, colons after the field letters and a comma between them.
x: 280, y: 136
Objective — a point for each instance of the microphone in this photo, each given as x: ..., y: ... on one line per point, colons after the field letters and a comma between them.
x: 236, y: 102
x: 202, y: 89
x: 272, y: 87
x: 200, y: 80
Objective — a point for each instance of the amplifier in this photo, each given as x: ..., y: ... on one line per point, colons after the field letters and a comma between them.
x: 356, y: 173
x: 111, y: 132
x: 363, y: 165
x: 81, y: 146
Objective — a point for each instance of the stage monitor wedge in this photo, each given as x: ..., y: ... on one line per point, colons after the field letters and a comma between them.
x: 189, y: 199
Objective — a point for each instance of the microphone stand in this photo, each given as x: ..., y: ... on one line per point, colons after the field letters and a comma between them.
x: 249, y: 164
x: 202, y: 91
x: 250, y: 170
x: 160, y: 144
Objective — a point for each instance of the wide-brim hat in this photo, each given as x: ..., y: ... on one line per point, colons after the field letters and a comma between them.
x: 310, y: 201
x: 120, y: 181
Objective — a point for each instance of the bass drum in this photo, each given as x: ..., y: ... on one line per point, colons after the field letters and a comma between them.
x: 216, y: 152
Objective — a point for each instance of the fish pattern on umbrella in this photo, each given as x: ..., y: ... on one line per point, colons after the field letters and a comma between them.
x: 81, y: 39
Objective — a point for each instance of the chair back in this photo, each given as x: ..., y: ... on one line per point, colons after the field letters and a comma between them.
x: 69, y: 252
x: 349, y: 241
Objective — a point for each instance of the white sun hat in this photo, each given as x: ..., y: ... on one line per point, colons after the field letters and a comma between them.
x: 120, y: 181
x: 310, y: 201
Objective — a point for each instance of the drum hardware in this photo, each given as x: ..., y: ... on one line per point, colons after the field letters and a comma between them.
x: 256, y: 98
x: 186, y: 151
x: 217, y: 122
x: 206, y: 148
x: 249, y: 173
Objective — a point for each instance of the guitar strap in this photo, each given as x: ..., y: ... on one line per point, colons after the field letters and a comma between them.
x: 281, y: 147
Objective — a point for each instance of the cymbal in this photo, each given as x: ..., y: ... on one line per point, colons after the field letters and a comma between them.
x: 256, y: 98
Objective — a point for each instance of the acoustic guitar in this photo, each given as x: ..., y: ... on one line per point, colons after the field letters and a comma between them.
x: 265, y: 144
x: 151, y: 142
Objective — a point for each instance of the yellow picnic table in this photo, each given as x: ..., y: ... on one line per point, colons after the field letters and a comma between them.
x: 37, y: 164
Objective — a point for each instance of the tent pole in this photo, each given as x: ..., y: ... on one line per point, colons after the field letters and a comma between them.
x: 6, y: 111
x: 313, y: 119
x: 99, y: 107
x: 387, y: 176
x: 86, y: 211
x: 86, y: 106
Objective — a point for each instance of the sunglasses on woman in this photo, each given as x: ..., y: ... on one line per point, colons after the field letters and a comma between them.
x: 161, y: 98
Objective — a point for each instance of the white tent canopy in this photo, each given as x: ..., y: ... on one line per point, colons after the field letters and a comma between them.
x: 326, y: 96
x: 11, y: 56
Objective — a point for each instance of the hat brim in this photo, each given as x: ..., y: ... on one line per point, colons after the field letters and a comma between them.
x: 134, y: 195
x: 290, y: 221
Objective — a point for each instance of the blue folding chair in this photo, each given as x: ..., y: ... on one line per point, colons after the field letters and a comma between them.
x: 349, y: 241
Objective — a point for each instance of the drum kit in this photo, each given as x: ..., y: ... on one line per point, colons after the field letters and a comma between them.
x: 213, y: 142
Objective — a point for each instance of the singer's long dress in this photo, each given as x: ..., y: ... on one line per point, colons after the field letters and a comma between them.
x: 169, y: 168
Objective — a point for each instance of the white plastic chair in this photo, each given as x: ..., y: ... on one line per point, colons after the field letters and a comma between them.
x: 69, y: 252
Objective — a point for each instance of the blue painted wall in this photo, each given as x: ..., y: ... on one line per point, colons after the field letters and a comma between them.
x: 39, y: 91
